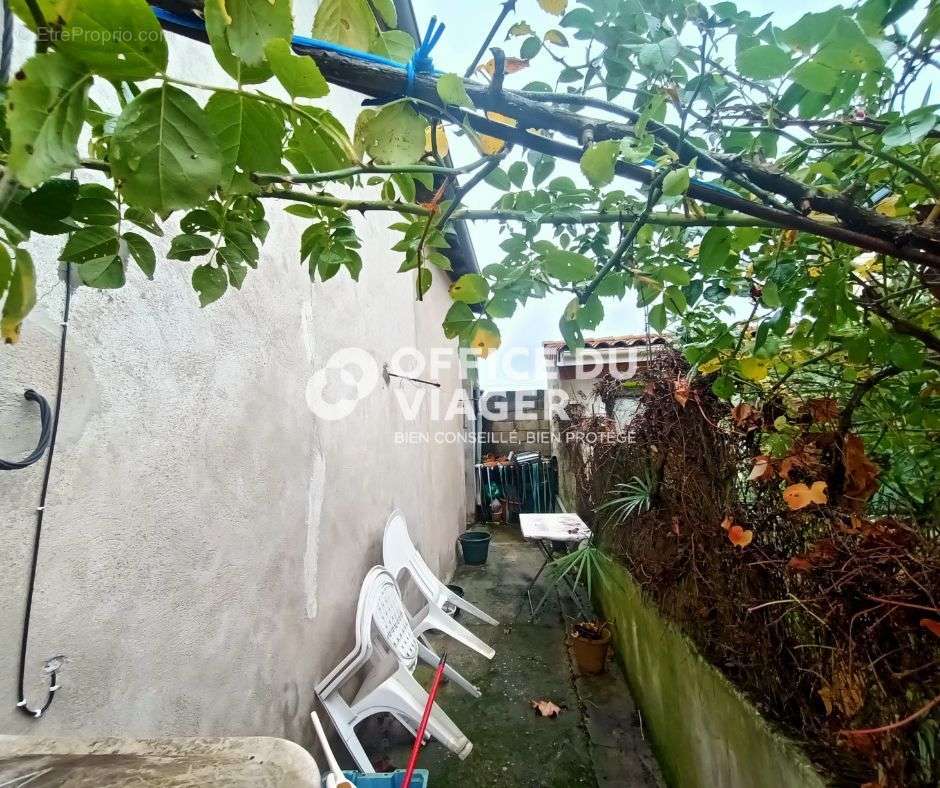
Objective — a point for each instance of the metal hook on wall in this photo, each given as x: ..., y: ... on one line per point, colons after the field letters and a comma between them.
x: 45, y: 434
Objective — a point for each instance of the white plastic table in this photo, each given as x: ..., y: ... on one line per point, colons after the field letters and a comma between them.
x: 544, y: 529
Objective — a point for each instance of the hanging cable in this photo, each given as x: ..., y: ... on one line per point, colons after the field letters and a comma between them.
x: 52, y: 665
x: 45, y: 434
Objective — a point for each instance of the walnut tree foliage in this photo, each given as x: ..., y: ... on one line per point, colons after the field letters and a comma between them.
x: 767, y: 193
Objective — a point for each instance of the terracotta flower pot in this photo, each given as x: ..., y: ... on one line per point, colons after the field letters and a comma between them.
x: 590, y: 654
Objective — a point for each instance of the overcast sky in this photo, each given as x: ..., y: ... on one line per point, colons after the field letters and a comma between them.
x: 519, y: 363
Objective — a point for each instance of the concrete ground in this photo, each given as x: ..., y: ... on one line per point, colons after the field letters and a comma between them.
x: 595, y: 740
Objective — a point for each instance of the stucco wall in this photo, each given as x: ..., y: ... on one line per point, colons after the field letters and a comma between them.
x: 205, y: 535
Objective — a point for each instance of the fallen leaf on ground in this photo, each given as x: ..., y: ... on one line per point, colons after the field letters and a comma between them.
x: 745, y: 416
x: 546, y: 708
x: 931, y: 626
x: 763, y: 469
x: 727, y: 522
x: 739, y: 537
x: 799, y: 496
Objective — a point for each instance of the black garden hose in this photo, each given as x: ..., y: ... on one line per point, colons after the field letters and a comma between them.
x: 45, y: 435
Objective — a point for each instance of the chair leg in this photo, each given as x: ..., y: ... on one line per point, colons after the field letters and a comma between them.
x: 342, y: 718
x: 426, y: 654
x: 473, y: 610
x: 437, y: 619
x: 402, y: 694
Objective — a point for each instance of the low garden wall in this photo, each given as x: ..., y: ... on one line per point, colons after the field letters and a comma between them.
x: 703, y: 731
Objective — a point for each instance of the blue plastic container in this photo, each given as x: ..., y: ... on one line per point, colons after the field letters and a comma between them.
x: 388, y: 780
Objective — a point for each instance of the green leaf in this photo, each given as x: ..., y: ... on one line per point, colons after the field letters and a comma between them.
x: 517, y: 173
x: 571, y: 333
x: 254, y: 23
x: 393, y: 135
x: 6, y: 269
x: 142, y: 252
x: 674, y: 299
x: 816, y: 77
x: 598, y: 161
x: 20, y: 298
x: 90, y: 243
x: 188, y: 245
x: 94, y: 210
x: 300, y: 76
x: 386, y: 9
x: 118, y: 39
x: 349, y: 22
x: 458, y: 319
x: 910, y: 129
x: 103, y: 273
x: 907, y: 353
x: 217, y: 21
x: 591, y: 313
x: 423, y: 282
x: 394, y: 44
x: 163, y: 151
x: 45, y: 113
x: 723, y: 387
x: 770, y: 296
x: 676, y: 182
x: 211, y: 284
x: 501, y: 304
x: 43, y: 210
x: 675, y: 274
x: 320, y: 145
x: 452, y: 92
x: 657, y: 318
x: 659, y: 56
x: 714, y: 250
x: 567, y: 266
x: 249, y: 135
x: 763, y: 62
x: 470, y: 289
x: 530, y: 48
x: 810, y: 29
x: 498, y: 180
x: 848, y: 48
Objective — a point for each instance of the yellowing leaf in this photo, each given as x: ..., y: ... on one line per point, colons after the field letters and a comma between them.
x: 21, y: 297
x: 712, y: 365
x: 440, y: 137
x: 814, y: 272
x: 799, y: 496
x: 754, y: 368
x: 556, y: 7
x: 555, y: 37
x: 889, y: 205
x: 223, y: 10
x: 484, y: 338
x: 520, y: 29
x: 490, y: 146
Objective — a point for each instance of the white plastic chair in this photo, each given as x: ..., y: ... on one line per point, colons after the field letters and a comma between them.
x: 399, y: 553
x: 389, y: 685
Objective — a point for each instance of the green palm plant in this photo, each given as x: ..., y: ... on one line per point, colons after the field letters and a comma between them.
x: 589, y: 563
x: 632, y: 497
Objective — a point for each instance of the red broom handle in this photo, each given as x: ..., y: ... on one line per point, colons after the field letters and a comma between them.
x: 419, y: 736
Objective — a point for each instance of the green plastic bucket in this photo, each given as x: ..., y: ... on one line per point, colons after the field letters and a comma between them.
x: 475, y: 546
